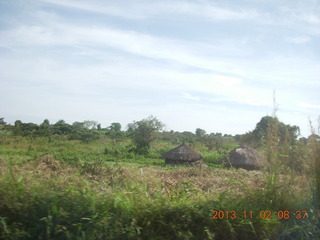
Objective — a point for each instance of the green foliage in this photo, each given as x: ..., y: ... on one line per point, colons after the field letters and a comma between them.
x: 214, y: 158
x: 132, y: 210
x: 144, y: 132
x: 200, y: 132
x: 82, y: 131
x: 286, y: 134
x: 279, y: 142
x: 116, y: 127
x: 100, y: 190
x: 84, y: 136
x: 314, y: 155
x: 90, y: 124
x: 62, y: 128
x: 115, y: 131
x: 24, y: 129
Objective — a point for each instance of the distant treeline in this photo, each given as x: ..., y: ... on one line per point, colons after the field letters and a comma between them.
x: 149, y: 129
x: 272, y: 137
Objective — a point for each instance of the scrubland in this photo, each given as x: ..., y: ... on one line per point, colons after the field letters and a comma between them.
x: 67, y: 189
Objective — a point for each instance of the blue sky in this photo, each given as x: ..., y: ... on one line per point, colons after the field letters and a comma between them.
x: 193, y: 64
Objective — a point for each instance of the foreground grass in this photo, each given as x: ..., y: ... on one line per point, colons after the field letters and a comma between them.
x: 68, y: 190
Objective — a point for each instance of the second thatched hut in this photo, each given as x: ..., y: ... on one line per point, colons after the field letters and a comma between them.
x: 246, y: 157
x: 184, y: 155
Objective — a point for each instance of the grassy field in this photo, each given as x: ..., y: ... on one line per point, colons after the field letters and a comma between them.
x: 63, y: 189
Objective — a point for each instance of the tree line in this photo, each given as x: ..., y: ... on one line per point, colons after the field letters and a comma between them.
x: 145, y: 131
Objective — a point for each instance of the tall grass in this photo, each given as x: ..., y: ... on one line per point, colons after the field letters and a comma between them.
x: 280, y: 184
x: 71, y: 190
x: 315, y: 163
x: 118, y: 204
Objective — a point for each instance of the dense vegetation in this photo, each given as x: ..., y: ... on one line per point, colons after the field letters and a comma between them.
x: 82, y: 181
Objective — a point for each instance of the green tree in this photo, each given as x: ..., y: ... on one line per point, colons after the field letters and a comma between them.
x: 114, y: 130
x: 90, y: 124
x: 144, y: 132
x: 45, y: 129
x: 285, y: 134
x: 25, y: 129
x: 186, y: 137
x: 214, y: 142
x: 78, y: 125
x: 84, y: 131
x: 115, y: 126
x: 4, y: 126
x: 200, y: 132
x: 62, y: 128
x: 17, y: 128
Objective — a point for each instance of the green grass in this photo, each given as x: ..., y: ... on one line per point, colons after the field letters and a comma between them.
x: 71, y: 190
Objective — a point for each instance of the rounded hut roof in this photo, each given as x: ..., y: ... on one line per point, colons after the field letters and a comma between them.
x: 182, y: 153
x: 246, y: 157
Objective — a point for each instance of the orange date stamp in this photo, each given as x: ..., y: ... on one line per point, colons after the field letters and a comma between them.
x: 220, y: 214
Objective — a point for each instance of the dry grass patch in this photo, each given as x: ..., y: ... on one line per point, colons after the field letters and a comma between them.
x: 45, y: 171
x: 209, y: 181
x: 2, y: 166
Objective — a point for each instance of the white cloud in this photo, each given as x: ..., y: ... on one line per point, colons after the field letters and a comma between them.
x: 96, y: 41
x: 226, y: 88
x: 131, y: 69
x: 84, y: 40
x: 103, y: 7
x: 212, y: 12
x: 142, y: 9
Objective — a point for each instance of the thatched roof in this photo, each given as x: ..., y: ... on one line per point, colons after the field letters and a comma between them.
x: 182, y: 153
x: 246, y: 157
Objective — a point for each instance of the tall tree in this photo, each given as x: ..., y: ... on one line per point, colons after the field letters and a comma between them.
x: 90, y: 124
x: 285, y: 134
x: 115, y: 126
x: 144, y: 132
x: 114, y: 130
x: 62, y: 128
x: 200, y: 132
x: 45, y: 129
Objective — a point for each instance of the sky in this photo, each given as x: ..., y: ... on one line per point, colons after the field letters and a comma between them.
x: 203, y: 64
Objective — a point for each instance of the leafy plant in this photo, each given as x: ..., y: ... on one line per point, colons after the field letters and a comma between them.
x: 144, y: 132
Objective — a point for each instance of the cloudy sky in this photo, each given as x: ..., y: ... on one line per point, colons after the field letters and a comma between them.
x: 193, y: 64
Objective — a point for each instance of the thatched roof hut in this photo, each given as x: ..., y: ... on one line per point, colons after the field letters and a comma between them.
x: 246, y: 157
x: 183, y: 155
